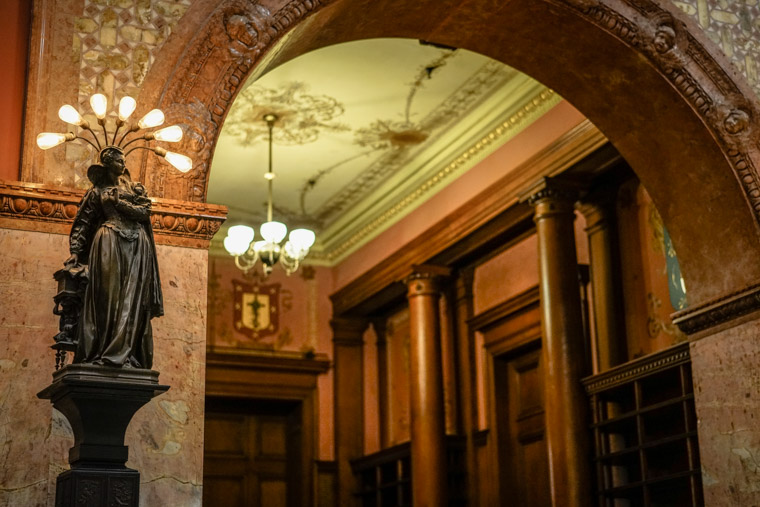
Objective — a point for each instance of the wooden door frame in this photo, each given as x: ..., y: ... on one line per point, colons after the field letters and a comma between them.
x: 499, y: 341
x: 255, y: 376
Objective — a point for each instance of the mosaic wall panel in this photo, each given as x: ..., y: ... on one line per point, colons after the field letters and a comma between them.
x: 734, y: 25
x: 115, y: 44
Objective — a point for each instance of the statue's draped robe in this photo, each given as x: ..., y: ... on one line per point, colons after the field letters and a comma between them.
x: 124, y: 289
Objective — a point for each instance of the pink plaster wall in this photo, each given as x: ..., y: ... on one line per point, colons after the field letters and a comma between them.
x: 540, y: 134
x: 304, y: 324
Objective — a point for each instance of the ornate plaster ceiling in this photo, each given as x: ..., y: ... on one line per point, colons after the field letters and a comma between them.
x: 367, y: 131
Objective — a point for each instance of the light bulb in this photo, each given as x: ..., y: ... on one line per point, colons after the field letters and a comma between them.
x: 154, y: 118
x: 70, y: 115
x: 99, y: 104
x: 302, y: 239
x: 127, y: 106
x: 182, y: 162
x: 47, y: 140
x: 234, y: 246
x: 259, y: 246
x: 241, y: 232
x: 293, y: 252
x: 273, y: 232
x: 171, y: 134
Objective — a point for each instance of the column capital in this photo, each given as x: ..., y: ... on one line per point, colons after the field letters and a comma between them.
x: 426, y: 279
x: 558, y: 189
x: 349, y: 330
x: 597, y: 208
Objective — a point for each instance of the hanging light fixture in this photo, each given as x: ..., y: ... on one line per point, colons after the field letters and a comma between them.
x: 127, y: 106
x: 240, y: 238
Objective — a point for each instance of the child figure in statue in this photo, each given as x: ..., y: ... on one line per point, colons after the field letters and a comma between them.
x: 112, y: 235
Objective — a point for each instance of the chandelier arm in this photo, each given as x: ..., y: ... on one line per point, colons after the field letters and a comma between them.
x: 119, y: 123
x: 94, y: 136
x: 142, y: 138
x: 88, y: 142
x: 102, y: 123
x: 150, y: 148
x: 270, y: 124
x: 130, y: 130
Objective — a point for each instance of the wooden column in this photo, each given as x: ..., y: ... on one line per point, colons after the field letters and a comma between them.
x: 348, y: 357
x: 379, y: 325
x: 563, y: 357
x: 608, y: 309
x: 468, y: 403
x: 428, y: 425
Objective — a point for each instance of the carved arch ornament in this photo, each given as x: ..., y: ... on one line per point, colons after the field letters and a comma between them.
x: 234, y: 35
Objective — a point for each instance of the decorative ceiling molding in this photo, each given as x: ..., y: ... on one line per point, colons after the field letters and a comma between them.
x: 334, y: 252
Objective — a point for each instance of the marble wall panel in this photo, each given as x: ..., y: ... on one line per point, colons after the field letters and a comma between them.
x: 28, y: 439
x: 165, y: 437
x: 726, y: 370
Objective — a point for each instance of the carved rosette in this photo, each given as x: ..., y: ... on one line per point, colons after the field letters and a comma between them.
x: 35, y: 207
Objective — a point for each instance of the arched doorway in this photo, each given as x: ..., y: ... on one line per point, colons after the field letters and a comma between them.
x: 636, y: 69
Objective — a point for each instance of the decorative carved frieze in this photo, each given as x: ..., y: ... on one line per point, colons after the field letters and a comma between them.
x: 37, y: 207
x: 718, y: 311
x: 671, y: 45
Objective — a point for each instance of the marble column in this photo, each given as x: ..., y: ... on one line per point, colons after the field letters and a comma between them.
x: 348, y: 358
x: 467, y: 376
x: 607, y: 305
x: 428, y: 424
x: 562, y: 349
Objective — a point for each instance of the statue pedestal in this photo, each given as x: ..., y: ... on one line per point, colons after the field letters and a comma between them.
x: 99, y: 402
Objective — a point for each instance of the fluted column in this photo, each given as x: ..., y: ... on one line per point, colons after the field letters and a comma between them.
x: 428, y: 425
x: 348, y: 358
x: 563, y: 357
x: 608, y: 308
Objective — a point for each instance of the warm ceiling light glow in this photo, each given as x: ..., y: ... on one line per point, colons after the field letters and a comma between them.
x: 153, y: 119
x: 47, y: 140
x: 99, y: 104
x: 235, y: 246
x: 171, y: 134
x: 127, y: 106
x: 242, y: 232
x: 181, y: 162
x: 273, y: 232
x: 302, y: 239
x: 70, y: 115
x: 268, y: 176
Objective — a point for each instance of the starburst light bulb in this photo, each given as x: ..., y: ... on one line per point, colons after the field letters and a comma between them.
x: 99, y: 104
x: 154, y: 118
x: 127, y: 106
x: 47, y: 140
x: 70, y: 115
x: 171, y: 134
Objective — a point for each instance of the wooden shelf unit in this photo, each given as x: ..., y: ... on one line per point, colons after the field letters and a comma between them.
x: 645, y: 432
x: 385, y: 478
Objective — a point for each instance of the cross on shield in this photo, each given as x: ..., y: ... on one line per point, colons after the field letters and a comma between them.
x: 256, y: 309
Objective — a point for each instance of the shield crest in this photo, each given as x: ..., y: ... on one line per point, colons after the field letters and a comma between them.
x: 256, y: 309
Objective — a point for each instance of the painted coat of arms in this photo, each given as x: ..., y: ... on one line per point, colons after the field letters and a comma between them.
x: 256, y: 309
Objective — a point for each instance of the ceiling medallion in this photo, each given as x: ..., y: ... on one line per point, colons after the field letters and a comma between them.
x: 239, y: 241
x: 301, y: 117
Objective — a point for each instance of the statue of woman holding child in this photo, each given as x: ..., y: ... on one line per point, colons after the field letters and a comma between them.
x: 112, y: 236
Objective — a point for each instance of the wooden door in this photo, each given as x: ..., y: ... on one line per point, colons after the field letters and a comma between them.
x: 251, y: 453
x: 523, y: 461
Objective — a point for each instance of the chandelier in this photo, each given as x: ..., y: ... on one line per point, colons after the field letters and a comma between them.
x: 127, y: 106
x: 239, y: 241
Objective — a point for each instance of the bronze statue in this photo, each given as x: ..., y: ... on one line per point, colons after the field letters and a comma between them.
x: 113, y: 238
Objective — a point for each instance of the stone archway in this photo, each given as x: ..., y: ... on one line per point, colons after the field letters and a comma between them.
x: 647, y: 78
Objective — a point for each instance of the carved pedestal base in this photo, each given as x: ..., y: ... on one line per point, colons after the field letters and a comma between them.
x: 99, y: 403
